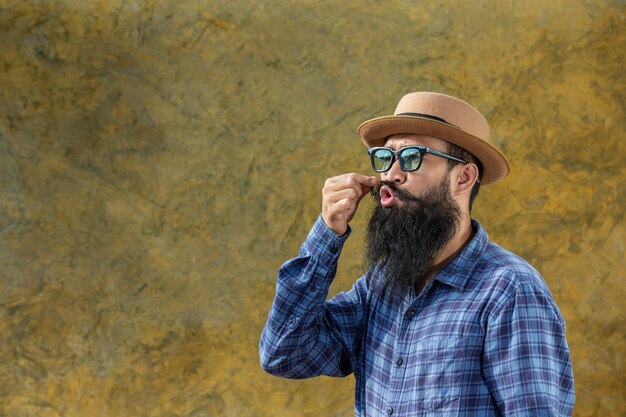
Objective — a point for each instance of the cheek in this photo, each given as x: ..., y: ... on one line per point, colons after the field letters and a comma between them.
x: 420, y: 184
x: 416, y: 187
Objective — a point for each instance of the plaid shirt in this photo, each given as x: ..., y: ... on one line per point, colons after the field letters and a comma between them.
x: 484, y: 337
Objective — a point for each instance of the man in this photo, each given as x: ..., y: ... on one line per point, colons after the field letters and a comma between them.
x: 443, y: 322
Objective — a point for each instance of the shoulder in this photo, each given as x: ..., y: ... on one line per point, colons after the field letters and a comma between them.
x: 509, y: 268
x: 492, y: 265
x: 507, y: 278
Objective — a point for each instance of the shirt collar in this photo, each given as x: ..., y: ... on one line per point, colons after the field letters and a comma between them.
x: 459, y: 271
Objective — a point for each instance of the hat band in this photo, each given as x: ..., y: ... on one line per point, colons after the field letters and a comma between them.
x: 427, y: 116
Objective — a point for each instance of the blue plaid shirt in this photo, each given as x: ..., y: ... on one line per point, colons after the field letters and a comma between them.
x: 484, y: 337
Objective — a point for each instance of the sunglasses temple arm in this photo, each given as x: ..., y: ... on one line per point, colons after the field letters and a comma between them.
x: 445, y: 155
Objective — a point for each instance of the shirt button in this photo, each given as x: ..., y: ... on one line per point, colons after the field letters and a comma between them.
x: 390, y: 410
x: 410, y: 314
x: 333, y: 249
x: 399, y: 362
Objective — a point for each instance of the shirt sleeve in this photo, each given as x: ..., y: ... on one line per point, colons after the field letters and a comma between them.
x: 526, y: 360
x: 305, y: 335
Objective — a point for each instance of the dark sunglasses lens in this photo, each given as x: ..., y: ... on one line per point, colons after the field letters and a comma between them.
x: 381, y: 160
x: 410, y: 159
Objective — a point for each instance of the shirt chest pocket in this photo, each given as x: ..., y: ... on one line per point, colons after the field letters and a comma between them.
x: 439, y: 373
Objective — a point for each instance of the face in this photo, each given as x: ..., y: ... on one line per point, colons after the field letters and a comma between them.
x: 432, y: 171
x: 413, y: 218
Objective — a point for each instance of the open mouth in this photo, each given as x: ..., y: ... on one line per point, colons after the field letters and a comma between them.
x: 387, y: 196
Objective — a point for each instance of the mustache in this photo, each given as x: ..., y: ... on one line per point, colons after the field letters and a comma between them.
x: 401, y: 195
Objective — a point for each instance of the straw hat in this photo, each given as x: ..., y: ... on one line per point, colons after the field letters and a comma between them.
x: 443, y: 117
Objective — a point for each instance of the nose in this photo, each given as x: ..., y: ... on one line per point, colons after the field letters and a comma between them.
x: 395, y: 173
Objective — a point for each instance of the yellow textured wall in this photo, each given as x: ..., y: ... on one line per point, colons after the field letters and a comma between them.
x: 159, y: 160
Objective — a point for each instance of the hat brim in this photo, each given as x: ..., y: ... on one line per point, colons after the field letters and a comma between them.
x: 375, y: 132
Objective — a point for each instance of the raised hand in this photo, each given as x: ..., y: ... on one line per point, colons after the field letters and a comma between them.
x: 341, y: 196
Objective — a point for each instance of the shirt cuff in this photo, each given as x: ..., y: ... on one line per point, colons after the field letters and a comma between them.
x: 322, y: 242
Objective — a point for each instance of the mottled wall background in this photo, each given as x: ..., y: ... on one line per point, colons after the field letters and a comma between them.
x: 159, y: 160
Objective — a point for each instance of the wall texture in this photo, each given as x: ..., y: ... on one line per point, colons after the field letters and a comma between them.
x: 159, y: 160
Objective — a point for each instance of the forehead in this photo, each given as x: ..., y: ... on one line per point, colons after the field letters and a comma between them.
x: 409, y: 139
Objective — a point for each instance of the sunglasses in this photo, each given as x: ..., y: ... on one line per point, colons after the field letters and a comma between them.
x: 410, y: 157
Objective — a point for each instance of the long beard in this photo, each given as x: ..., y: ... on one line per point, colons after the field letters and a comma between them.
x: 404, y: 240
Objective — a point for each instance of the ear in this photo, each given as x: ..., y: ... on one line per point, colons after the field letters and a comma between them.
x: 464, y: 176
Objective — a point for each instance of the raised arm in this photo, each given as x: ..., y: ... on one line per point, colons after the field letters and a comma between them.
x: 305, y: 335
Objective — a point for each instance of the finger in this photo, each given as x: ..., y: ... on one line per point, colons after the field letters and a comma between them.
x: 367, y: 188
x: 347, y: 207
x: 353, y: 178
x: 344, y: 193
x: 359, y: 182
x: 362, y: 180
x: 365, y: 191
